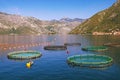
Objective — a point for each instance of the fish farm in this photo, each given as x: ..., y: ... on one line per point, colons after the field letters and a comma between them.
x: 55, y: 47
x: 95, y: 48
x: 72, y: 44
x: 90, y: 60
x: 24, y: 55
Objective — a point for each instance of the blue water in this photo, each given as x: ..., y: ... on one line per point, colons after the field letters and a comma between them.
x: 53, y: 66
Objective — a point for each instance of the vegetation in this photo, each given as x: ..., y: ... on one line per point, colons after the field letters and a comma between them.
x: 104, y: 21
x: 20, y: 30
x: 17, y: 24
x: 50, y: 29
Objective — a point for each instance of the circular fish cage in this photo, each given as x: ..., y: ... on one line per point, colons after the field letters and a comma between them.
x: 112, y: 44
x: 91, y: 60
x: 55, y: 47
x: 24, y: 55
x: 72, y: 44
x: 95, y: 48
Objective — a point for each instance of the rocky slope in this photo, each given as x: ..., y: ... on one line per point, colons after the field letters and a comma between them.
x: 64, y: 25
x: 106, y: 21
x: 16, y: 24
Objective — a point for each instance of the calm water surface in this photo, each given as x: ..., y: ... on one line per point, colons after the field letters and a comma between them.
x: 52, y: 65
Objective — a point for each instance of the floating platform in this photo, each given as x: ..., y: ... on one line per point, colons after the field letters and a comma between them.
x: 72, y: 44
x: 95, y: 48
x: 55, y: 47
x: 112, y: 44
x: 24, y: 55
x: 90, y: 60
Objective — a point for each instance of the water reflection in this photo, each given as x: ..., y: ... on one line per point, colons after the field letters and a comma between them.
x: 14, y: 43
x: 53, y: 64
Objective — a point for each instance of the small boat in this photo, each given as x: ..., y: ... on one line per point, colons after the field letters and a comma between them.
x: 95, y: 48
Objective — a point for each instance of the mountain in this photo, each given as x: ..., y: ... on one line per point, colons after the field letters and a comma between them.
x: 106, y: 21
x: 71, y: 20
x: 17, y: 24
x: 65, y: 25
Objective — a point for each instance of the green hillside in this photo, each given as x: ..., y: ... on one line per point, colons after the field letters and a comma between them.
x: 104, y: 21
x: 20, y: 30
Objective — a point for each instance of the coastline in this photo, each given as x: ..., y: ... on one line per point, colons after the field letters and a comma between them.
x: 106, y: 33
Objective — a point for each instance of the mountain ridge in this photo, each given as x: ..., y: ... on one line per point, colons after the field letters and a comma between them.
x: 106, y: 21
x: 17, y: 24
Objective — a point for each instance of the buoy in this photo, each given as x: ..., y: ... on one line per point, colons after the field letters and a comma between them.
x: 67, y: 52
x: 29, y: 64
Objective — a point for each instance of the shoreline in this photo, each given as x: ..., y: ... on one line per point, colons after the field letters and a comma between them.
x: 106, y: 33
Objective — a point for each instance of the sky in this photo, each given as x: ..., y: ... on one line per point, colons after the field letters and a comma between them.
x: 55, y: 9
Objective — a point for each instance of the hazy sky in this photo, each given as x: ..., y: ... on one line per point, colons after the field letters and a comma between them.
x: 54, y: 9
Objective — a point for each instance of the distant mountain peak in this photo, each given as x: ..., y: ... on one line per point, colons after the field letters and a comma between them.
x: 17, y: 24
x: 71, y: 20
